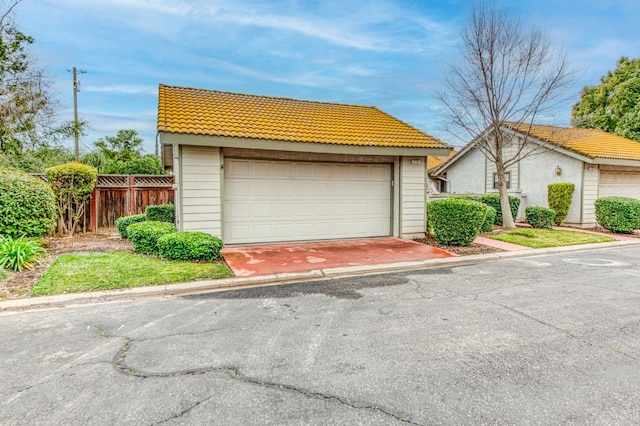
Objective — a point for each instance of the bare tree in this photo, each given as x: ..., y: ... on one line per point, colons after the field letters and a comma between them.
x: 508, y: 77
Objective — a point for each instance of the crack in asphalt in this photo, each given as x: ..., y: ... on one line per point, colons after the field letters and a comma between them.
x: 119, y: 363
x: 566, y: 332
x: 183, y: 412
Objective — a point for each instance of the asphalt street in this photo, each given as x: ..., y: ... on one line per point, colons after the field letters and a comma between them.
x: 549, y: 339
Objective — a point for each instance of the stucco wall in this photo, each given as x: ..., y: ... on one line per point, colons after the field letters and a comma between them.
x: 466, y: 175
x: 538, y: 171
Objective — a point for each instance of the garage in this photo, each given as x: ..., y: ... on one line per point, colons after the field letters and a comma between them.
x: 273, y: 201
x: 624, y: 182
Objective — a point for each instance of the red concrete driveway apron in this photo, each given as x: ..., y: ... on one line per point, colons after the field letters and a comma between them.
x: 298, y: 257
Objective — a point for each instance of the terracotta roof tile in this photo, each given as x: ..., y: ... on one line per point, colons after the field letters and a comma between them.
x: 591, y: 143
x: 214, y: 113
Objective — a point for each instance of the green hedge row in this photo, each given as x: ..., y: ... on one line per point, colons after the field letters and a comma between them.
x: 618, y: 214
x: 189, y: 246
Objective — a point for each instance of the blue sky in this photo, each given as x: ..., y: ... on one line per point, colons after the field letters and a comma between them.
x: 385, y: 53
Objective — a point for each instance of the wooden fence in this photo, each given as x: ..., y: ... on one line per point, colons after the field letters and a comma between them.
x: 123, y: 195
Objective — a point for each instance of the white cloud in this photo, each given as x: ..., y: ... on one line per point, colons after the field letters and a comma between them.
x: 122, y: 89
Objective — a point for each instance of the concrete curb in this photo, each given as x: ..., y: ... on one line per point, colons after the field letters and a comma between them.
x: 195, y: 287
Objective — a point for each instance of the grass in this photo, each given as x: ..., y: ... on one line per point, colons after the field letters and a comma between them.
x: 542, y: 238
x: 72, y: 273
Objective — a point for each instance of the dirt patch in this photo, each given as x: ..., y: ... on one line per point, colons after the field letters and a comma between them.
x: 19, y: 284
x: 459, y: 250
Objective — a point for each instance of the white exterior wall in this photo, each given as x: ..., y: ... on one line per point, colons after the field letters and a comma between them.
x: 199, y: 178
x: 508, y: 152
x: 412, y: 197
x: 465, y: 176
x: 539, y: 170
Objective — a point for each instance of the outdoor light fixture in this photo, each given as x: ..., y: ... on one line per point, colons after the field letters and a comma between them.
x: 558, y: 171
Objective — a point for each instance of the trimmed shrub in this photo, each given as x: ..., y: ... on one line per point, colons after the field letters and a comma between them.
x: 429, y: 218
x: 457, y: 221
x: 493, y: 200
x: 144, y: 235
x: 27, y: 205
x: 618, y: 214
x: 17, y: 254
x: 489, y: 220
x: 190, y: 245
x: 72, y: 184
x: 161, y: 213
x: 559, y: 199
x: 540, y: 217
x: 122, y: 223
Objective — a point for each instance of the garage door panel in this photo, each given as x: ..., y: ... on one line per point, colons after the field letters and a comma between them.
x: 268, y: 201
x: 624, y: 184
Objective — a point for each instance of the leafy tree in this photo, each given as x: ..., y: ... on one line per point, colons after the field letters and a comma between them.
x: 614, y: 105
x: 27, y: 120
x: 145, y: 165
x: 506, y: 75
x: 125, y: 146
x: 72, y: 183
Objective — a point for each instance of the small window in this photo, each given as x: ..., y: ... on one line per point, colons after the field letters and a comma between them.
x: 442, y: 185
x: 507, y: 177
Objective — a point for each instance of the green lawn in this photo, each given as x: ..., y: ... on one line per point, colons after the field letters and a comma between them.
x: 542, y: 238
x: 72, y: 273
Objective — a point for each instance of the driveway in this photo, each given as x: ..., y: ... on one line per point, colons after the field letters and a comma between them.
x: 540, y: 340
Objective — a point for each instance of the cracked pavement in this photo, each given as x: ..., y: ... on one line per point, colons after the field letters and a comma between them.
x: 550, y: 339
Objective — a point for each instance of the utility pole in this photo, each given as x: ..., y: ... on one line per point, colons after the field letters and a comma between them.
x: 76, y: 124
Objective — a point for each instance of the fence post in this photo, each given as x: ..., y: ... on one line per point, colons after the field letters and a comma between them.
x: 132, y: 195
x: 94, y: 210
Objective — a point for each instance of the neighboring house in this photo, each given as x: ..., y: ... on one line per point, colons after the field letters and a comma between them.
x: 436, y: 185
x: 598, y: 163
x: 256, y: 169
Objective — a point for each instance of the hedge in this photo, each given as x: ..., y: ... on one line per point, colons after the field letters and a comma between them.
x: 190, y: 245
x: 559, y: 199
x: 161, y: 213
x: 27, y: 205
x: 457, y: 221
x: 489, y: 219
x: 122, y: 223
x: 493, y: 200
x: 144, y: 235
x: 618, y: 214
x: 540, y: 217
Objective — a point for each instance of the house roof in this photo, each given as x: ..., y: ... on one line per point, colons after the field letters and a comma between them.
x: 591, y: 143
x: 434, y: 161
x: 212, y: 113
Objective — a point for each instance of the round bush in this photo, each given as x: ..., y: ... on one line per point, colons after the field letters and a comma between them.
x: 618, y: 214
x: 457, y: 221
x: 161, y: 213
x: 540, y: 217
x: 122, y: 223
x: 190, y: 245
x: 489, y: 220
x: 144, y: 235
x: 27, y: 205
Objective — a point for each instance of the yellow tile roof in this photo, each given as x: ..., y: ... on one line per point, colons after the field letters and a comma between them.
x: 433, y: 161
x: 214, y: 113
x: 591, y: 143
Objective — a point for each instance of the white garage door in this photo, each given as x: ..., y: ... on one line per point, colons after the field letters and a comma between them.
x: 624, y: 184
x: 270, y: 201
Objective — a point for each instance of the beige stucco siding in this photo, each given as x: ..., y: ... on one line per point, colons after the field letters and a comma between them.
x: 200, y: 189
x: 412, y: 196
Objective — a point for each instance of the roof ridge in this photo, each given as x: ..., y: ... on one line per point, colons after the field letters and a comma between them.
x: 283, y: 98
